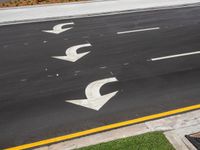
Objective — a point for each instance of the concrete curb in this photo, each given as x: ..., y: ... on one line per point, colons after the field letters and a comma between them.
x: 174, y: 127
x: 54, y: 4
x: 32, y: 20
x: 178, y: 140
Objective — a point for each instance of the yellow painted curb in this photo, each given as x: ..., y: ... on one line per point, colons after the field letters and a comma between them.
x: 104, y: 128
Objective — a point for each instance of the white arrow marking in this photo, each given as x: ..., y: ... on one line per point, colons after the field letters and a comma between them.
x: 71, y: 53
x: 94, y: 99
x: 57, y: 29
x: 174, y: 56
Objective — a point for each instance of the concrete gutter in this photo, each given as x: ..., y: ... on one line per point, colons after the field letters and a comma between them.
x: 40, y: 13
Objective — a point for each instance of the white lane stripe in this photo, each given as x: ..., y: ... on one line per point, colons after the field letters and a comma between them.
x: 174, y: 56
x: 139, y: 30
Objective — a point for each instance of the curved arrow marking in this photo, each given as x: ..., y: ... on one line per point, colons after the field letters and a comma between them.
x: 71, y: 53
x: 94, y: 99
x: 57, y: 29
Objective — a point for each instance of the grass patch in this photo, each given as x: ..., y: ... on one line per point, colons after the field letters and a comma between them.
x: 14, y: 3
x: 147, y: 141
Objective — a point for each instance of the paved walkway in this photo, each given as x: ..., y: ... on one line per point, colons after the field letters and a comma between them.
x: 45, y: 12
x: 175, y: 128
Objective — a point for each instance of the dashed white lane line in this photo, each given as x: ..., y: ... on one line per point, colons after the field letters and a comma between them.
x: 139, y: 30
x: 174, y: 56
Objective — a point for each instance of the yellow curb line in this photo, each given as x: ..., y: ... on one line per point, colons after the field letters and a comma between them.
x: 104, y: 128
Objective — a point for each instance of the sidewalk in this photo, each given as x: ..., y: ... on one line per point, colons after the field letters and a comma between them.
x: 174, y: 127
x: 82, y: 9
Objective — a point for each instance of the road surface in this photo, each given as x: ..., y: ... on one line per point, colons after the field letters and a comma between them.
x: 152, y: 59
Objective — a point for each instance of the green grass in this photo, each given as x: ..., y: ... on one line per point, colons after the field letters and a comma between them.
x: 147, y: 141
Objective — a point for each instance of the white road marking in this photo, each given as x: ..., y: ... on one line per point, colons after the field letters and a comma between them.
x: 23, y: 80
x: 94, y: 99
x: 174, y: 56
x: 76, y: 72
x: 103, y: 67
x: 139, y: 30
x: 125, y: 64
x: 71, y: 53
x: 57, y: 29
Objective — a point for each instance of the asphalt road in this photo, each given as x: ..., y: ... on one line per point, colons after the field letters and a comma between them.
x: 34, y: 86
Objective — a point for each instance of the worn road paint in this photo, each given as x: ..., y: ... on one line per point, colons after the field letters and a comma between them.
x: 94, y: 99
x: 174, y: 56
x: 57, y: 29
x: 71, y: 53
x: 138, y: 30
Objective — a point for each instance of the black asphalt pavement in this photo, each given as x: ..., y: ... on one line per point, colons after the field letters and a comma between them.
x: 34, y: 86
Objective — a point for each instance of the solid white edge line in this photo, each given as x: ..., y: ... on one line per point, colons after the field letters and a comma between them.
x: 139, y: 30
x: 174, y: 56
